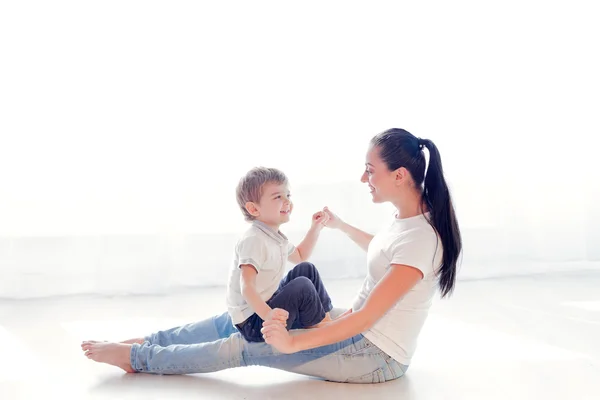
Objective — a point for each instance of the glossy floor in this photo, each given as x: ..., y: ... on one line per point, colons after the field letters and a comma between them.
x: 535, y: 337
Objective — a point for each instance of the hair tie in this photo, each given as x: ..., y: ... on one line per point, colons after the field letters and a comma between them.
x: 420, y: 143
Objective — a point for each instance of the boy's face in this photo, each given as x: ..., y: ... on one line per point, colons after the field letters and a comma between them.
x: 275, y: 206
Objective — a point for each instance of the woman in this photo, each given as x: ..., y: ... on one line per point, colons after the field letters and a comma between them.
x: 373, y: 341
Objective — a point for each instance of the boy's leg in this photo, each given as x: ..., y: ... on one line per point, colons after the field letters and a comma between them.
x: 309, y: 271
x: 300, y: 299
x: 250, y: 329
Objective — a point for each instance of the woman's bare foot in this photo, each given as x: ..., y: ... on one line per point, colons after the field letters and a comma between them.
x: 116, y: 354
x: 86, y: 343
x: 128, y: 341
x: 132, y: 341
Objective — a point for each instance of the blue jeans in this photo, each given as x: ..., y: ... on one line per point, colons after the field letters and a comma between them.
x: 302, y: 293
x: 214, y: 344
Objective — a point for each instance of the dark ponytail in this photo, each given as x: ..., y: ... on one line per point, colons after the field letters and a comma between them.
x: 399, y: 148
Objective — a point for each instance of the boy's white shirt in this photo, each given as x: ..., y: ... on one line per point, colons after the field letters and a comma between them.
x: 268, y: 252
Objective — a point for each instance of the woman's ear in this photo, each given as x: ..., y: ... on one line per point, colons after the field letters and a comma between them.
x: 400, y: 176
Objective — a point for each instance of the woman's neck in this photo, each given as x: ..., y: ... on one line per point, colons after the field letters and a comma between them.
x: 409, y: 204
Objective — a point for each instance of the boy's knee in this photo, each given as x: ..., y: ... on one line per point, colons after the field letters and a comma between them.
x: 303, y: 284
x: 306, y: 266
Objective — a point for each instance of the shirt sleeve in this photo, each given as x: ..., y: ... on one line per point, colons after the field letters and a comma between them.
x: 251, y: 250
x: 291, y: 248
x: 417, y: 250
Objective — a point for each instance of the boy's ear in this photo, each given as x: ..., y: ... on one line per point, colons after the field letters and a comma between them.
x: 252, y: 209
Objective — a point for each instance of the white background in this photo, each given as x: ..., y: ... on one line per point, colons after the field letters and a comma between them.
x: 125, y: 126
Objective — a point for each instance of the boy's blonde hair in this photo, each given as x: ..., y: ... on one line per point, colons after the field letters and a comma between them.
x: 250, y: 187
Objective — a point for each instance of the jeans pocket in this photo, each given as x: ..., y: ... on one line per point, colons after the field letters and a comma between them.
x: 361, y: 345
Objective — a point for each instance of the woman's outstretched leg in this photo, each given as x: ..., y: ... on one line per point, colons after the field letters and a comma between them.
x: 208, y: 330
x: 354, y: 360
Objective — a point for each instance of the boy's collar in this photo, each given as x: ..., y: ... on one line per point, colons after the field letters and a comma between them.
x: 277, y: 236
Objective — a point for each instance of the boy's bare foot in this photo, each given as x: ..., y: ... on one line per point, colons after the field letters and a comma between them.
x: 116, y: 354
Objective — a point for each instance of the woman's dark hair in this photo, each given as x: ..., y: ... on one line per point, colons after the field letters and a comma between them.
x: 399, y: 148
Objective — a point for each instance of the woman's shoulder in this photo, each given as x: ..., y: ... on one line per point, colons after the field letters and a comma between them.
x: 417, y: 237
x: 418, y: 229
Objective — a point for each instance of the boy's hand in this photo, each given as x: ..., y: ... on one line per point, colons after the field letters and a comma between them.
x: 332, y: 221
x: 319, y: 219
x: 278, y: 315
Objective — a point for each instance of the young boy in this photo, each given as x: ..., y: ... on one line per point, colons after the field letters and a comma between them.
x: 257, y: 289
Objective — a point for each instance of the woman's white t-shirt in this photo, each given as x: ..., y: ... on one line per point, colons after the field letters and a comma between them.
x: 413, y: 242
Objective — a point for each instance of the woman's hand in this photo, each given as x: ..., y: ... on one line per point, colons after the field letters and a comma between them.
x: 278, y: 337
x: 319, y: 220
x: 333, y: 221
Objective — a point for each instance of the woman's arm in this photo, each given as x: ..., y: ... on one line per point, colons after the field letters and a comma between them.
x: 348, y: 311
x: 362, y: 239
x: 392, y: 287
x: 359, y: 237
